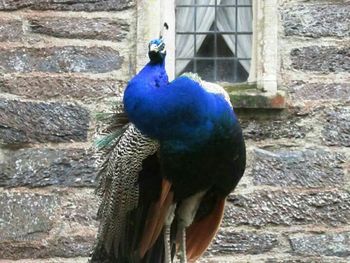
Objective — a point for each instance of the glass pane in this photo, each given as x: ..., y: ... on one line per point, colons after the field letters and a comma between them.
x: 245, y: 18
x: 242, y: 74
x: 183, y: 66
x: 204, y: 19
x: 184, y: 46
x: 225, y: 70
x: 226, y: 19
x: 228, y: 2
x: 226, y: 45
x: 244, y: 2
x: 205, y: 2
x: 184, y: 2
x: 207, y: 45
x: 205, y: 69
x: 244, y: 43
x: 245, y: 65
x: 182, y: 24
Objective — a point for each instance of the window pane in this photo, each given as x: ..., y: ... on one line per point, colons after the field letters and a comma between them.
x: 225, y: 71
x: 207, y: 45
x: 184, y: 46
x: 245, y: 2
x: 226, y: 19
x: 245, y: 64
x: 231, y: 71
x: 226, y: 45
x: 245, y: 17
x: 244, y: 49
x: 205, y: 69
x: 184, y: 2
x: 204, y: 18
x: 183, y: 66
x: 205, y: 2
x: 228, y: 2
x: 242, y: 73
x: 183, y: 25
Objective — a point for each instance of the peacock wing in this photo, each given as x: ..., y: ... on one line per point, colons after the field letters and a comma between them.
x: 129, y: 183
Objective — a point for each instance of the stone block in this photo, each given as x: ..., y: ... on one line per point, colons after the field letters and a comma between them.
x: 331, y: 244
x: 309, y: 259
x: 273, y: 126
x: 29, y: 122
x: 287, y: 208
x: 302, y: 91
x: 26, y: 216
x: 44, y: 167
x: 336, y: 126
x: 321, y: 59
x: 81, y: 28
x: 47, y: 225
x: 60, y: 59
x: 317, y: 20
x: 228, y: 242
x: 80, y: 207
x: 68, y: 5
x: 46, y: 86
x: 71, y: 246
x: 298, y: 168
x: 11, y: 30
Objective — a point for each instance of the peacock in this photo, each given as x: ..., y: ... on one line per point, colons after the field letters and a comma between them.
x: 173, y: 155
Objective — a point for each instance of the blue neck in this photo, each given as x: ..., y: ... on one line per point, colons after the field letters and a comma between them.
x: 180, y: 111
x: 141, y: 99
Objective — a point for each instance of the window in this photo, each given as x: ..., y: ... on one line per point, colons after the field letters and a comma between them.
x: 263, y: 56
x: 214, y: 39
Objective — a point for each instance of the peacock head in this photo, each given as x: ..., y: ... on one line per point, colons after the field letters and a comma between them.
x: 156, y: 50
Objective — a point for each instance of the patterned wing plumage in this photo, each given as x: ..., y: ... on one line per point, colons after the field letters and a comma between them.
x: 118, y: 186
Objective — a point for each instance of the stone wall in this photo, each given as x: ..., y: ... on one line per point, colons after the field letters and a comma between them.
x: 62, y: 61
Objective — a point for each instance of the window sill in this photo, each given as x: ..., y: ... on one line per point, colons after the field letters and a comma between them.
x: 248, y: 96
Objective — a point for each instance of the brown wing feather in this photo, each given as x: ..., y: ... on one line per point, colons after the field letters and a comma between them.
x: 201, y: 233
x: 155, y: 218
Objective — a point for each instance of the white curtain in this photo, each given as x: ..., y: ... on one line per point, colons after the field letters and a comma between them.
x: 226, y: 20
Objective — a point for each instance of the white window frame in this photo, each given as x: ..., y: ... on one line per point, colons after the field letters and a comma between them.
x: 151, y: 15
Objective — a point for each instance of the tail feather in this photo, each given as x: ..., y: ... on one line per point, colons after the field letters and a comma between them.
x: 155, y: 218
x: 200, y: 234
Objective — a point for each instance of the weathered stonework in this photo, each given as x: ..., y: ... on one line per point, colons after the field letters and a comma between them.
x: 309, y: 259
x: 303, y: 91
x: 80, y: 207
x: 336, y: 244
x: 50, y: 260
x: 38, y: 225
x: 68, y: 5
x: 28, y: 122
x: 11, y: 30
x: 228, y: 242
x: 268, y: 259
x: 68, y: 27
x: 26, y: 216
x: 321, y: 59
x: 336, y: 128
x: 60, y: 59
x: 317, y: 20
x: 43, y: 167
x: 288, y: 208
x: 307, y: 168
x: 46, y: 86
x: 273, y: 126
